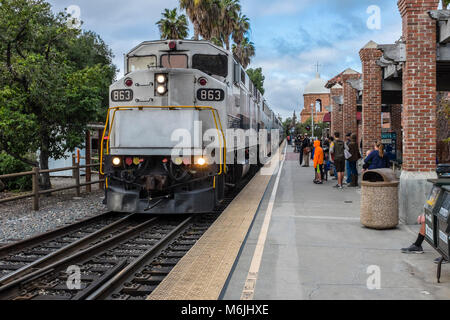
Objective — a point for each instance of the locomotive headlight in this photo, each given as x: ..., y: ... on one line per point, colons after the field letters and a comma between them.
x: 116, y: 161
x: 161, y: 89
x: 161, y: 79
x: 201, y: 161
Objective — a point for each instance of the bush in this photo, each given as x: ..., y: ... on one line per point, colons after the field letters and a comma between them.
x: 9, y: 165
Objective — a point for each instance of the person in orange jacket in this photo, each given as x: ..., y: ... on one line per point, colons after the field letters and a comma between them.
x: 318, y: 162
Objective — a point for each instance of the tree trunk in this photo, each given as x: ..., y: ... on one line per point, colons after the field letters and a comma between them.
x: 227, y: 43
x: 196, y: 30
x: 43, y: 159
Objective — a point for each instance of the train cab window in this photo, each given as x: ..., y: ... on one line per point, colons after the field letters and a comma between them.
x: 211, y: 64
x: 174, y: 61
x: 243, y: 76
x: 236, y: 73
x: 141, y: 63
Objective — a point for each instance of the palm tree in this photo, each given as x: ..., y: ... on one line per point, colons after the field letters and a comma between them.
x: 209, y: 18
x: 244, y: 51
x: 172, y: 26
x: 217, y: 41
x: 241, y: 27
x: 191, y: 7
x: 229, y: 15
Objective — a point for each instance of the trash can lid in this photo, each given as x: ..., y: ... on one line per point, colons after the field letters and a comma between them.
x: 380, y: 175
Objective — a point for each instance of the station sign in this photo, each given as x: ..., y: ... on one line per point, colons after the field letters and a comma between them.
x: 389, y: 140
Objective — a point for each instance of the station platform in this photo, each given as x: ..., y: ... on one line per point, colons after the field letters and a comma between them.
x: 286, y: 238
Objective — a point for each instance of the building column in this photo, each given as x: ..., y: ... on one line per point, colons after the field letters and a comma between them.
x: 419, y: 105
x: 396, y: 125
x: 371, y: 101
x: 337, y: 93
x: 349, y: 109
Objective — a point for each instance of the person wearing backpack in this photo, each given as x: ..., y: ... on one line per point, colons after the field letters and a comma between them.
x: 339, y: 158
x: 355, y: 156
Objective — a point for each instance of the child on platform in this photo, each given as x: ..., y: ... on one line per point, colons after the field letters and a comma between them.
x: 318, y: 162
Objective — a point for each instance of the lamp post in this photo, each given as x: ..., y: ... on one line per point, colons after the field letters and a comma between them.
x: 312, y: 120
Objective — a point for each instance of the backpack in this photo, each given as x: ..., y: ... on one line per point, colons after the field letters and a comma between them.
x: 339, y: 148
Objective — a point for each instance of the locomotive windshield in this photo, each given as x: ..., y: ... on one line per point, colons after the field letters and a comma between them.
x: 211, y: 64
x: 174, y: 61
x: 141, y: 63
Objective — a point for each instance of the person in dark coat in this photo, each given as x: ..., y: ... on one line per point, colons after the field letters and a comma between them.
x: 377, y: 159
x: 300, y: 148
x: 306, y: 146
x: 352, y: 161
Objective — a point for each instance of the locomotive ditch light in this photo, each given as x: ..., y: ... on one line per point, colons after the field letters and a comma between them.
x: 116, y: 161
x: 161, y: 78
x: 161, y: 81
x: 161, y: 89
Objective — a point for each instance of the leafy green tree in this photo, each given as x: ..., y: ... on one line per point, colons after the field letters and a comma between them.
x: 319, y: 128
x: 172, y: 25
x: 287, y: 125
x: 53, y: 81
x: 445, y: 4
x: 257, y: 78
x: 10, y: 165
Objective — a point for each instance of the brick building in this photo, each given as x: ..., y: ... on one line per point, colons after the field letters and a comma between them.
x: 346, y: 104
x: 319, y: 96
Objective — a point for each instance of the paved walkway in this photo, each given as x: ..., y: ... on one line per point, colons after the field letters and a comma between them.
x: 316, y: 248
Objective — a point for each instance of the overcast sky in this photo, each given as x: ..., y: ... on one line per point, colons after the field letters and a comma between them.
x: 290, y: 36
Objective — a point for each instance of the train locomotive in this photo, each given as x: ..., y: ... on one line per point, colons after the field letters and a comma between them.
x: 173, y: 92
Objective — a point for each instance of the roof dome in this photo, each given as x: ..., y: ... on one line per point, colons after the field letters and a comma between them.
x: 317, y: 86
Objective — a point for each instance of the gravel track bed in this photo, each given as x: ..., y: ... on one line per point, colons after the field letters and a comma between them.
x: 18, y: 221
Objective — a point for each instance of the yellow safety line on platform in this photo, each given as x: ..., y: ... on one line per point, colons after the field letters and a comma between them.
x: 252, y: 277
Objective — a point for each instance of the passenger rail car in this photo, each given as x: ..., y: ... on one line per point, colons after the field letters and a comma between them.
x: 173, y: 89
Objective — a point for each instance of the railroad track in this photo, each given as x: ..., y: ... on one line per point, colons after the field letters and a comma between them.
x: 18, y: 258
x: 119, y: 257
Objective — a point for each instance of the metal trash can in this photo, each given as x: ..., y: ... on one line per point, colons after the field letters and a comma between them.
x: 379, y: 199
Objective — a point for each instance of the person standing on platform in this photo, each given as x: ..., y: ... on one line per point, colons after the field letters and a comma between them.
x: 339, y: 159
x: 356, y: 155
x: 347, y: 162
x: 300, y: 149
x: 377, y: 159
x: 306, y: 150
x: 332, y: 166
x: 298, y: 142
x: 318, y: 162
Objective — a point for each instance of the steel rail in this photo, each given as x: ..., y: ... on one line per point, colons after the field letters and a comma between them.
x: 15, y: 247
x: 110, y: 285
x: 52, y: 257
x: 14, y: 286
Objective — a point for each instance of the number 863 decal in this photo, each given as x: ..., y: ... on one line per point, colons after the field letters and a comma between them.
x: 210, y: 95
